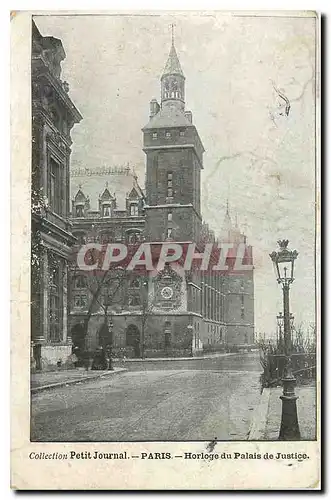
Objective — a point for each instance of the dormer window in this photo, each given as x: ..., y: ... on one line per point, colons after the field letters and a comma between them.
x: 168, y: 135
x: 154, y: 135
x: 182, y: 133
x: 134, y: 209
x: 106, y: 211
x: 79, y: 211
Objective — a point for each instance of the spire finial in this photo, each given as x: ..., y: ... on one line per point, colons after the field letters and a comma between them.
x: 106, y: 184
x: 227, y: 206
x: 79, y: 186
x: 172, y: 25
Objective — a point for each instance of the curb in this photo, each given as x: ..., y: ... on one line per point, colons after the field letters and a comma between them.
x: 258, y: 426
x: 76, y: 380
x: 191, y: 358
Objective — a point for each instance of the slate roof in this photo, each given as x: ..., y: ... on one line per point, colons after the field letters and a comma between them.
x: 118, y: 185
x: 173, y: 66
x: 80, y: 196
x: 168, y: 116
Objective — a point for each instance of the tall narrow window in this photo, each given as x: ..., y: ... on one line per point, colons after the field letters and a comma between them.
x: 169, y: 216
x: 169, y: 232
x: 169, y: 185
x: 55, y: 300
x: 81, y: 282
x: 106, y: 211
x: 133, y: 209
x: 55, y: 188
x: 79, y: 211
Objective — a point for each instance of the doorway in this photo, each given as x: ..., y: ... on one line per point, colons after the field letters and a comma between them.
x: 78, y: 336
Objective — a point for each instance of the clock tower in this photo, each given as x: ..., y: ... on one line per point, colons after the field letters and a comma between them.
x: 174, y: 154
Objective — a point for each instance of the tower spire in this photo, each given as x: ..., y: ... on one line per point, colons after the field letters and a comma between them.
x: 227, y: 224
x: 173, y: 79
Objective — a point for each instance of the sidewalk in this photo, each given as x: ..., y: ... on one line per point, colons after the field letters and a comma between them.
x: 267, y: 417
x: 48, y: 380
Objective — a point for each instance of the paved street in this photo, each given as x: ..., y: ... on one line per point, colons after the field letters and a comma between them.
x: 171, y: 400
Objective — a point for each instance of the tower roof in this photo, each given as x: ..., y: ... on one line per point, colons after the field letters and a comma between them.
x: 168, y: 116
x: 173, y: 66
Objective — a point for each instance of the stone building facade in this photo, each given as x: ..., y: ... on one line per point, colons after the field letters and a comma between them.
x: 53, y: 116
x: 171, y: 311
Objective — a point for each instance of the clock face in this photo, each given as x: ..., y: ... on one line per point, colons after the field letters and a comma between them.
x: 167, y: 292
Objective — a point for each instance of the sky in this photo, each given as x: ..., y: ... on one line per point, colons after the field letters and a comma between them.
x: 258, y: 157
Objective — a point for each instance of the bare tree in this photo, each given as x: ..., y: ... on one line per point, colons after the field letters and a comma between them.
x: 101, y: 287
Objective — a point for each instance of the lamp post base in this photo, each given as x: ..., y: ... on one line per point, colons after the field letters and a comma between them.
x: 289, y: 427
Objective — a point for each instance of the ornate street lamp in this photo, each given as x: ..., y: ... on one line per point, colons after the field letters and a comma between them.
x: 283, y: 261
x: 110, y: 345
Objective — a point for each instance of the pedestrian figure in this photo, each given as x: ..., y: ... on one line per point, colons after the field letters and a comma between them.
x: 108, y: 357
x: 99, y: 360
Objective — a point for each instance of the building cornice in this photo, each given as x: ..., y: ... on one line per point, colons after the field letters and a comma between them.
x: 42, y: 70
x: 46, y: 224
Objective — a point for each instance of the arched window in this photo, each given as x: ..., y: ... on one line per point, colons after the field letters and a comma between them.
x: 79, y: 211
x: 135, y: 283
x: 133, y: 237
x: 106, y: 237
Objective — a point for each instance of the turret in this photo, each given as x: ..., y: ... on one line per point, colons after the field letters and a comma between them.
x: 173, y: 82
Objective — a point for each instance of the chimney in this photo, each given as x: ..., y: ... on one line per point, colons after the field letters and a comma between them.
x: 188, y: 115
x: 154, y: 108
